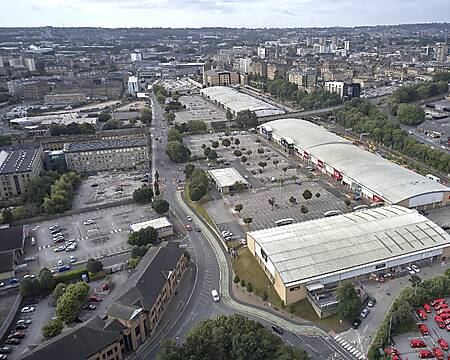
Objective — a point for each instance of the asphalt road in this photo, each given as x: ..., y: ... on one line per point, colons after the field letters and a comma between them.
x: 200, y: 304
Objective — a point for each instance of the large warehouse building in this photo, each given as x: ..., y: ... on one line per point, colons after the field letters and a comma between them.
x: 235, y: 101
x: 365, y: 173
x: 316, y: 255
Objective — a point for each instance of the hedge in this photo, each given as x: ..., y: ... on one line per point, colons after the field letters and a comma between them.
x: 70, y: 275
x: 427, y: 290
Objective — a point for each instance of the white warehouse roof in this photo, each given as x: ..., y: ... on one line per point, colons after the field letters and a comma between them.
x: 226, y: 177
x: 237, y: 101
x: 158, y: 223
x: 390, y: 181
x: 313, y: 249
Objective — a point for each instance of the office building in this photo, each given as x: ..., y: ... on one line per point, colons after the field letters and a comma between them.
x: 347, y: 45
x: 18, y: 164
x: 346, y: 91
x: 137, y: 56
x: 216, y: 77
x: 29, y: 64
x: 107, y: 155
x: 133, y: 86
x: 441, y: 52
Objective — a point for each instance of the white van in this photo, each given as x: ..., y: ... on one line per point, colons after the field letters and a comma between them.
x: 33, y: 241
x: 215, y: 295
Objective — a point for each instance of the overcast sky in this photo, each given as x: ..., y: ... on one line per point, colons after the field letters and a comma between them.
x: 230, y: 13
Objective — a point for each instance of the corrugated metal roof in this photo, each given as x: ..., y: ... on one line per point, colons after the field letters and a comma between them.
x: 312, y: 248
x: 388, y: 180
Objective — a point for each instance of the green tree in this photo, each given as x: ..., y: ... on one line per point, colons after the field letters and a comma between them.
x: 410, y: 114
x: 144, y: 236
x: 160, y: 206
x: 242, y: 282
x: 139, y: 251
x: 347, y: 202
x: 349, y: 301
x: 260, y: 151
x: 307, y: 194
x: 59, y: 290
x: 415, y: 280
x: 5, y: 140
x: 188, y: 170
x: 249, y: 152
x: 262, y: 164
x: 195, y: 193
x: 29, y: 287
x: 237, y: 142
x: 276, y: 162
x: 177, y: 152
x: 143, y: 195
x: 215, y: 144
x: 70, y: 303
x: 304, y: 209
x: 46, y: 280
x: 226, y: 142
x: 238, y: 207
x: 317, y: 195
x: 206, y: 150
x: 265, y: 295
x: 112, y: 124
x: 94, y: 266
x: 104, y: 116
x: 232, y: 337
x: 212, y: 155
x: 247, y: 221
x: 246, y: 119
x: 271, y: 201
x: 146, y: 115
x: 174, y: 135
x: 237, y: 153
x: 244, y: 159
x: 6, y: 216
x: 236, y: 279
x: 293, y: 200
x: 52, y: 328
x: 249, y: 287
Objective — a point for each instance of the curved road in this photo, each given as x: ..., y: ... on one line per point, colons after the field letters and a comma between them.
x: 211, y: 271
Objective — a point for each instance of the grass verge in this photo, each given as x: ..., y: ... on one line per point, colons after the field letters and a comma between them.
x: 199, y: 207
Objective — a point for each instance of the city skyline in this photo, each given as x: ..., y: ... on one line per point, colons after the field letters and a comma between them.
x: 226, y: 13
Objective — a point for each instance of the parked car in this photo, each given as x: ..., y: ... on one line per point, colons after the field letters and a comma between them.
x: 439, y: 321
x: 60, y: 262
x: 89, y: 307
x: 28, y: 309
x: 438, y: 354
x: 391, y: 351
x: 13, y: 341
x: 59, y: 248
x: 423, y: 329
x: 371, y: 302
x: 365, y: 312
x: 3, y: 356
x: 89, y: 222
x: 95, y: 298
x: 13, y: 281
x: 21, y: 326
x: 17, y: 335
x: 422, y: 314
x: 72, y: 259
x: 277, y: 329
x: 5, y: 349
x: 417, y: 343
x: 410, y: 270
x: 24, y: 321
x: 437, y: 301
x: 188, y: 218
x: 415, y: 268
x: 426, y: 354
x: 104, y: 287
x: 441, y: 306
x: 64, y: 268
x: 188, y: 227
x: 443, y: 344
x: 427, y: 308
x: 356, y: 323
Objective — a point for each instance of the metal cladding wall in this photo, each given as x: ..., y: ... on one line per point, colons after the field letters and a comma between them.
x: 266, y: 261
x: 426, y: 199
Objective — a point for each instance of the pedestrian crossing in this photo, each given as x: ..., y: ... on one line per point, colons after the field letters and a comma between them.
x: 115, y: 231
x: 348, y: 347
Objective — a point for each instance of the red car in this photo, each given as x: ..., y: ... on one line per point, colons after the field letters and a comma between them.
x: 391, y: 351
x: 448, y: 327
x: 396, y: 357
x: 438, y: 353
x: 443, y: 311
x: 95, y: 298
x: 422, y: 314
x: 437, y: 301
x: 445, y: 316
x: 423, y: 329
x: 104, y: 287
x: 427, y: 308
x: 441, y: 306
x: 426, y: 354
x: 188, y: 227
x: 443, y: 344
x: 417, y: 343
x: 439, y: 321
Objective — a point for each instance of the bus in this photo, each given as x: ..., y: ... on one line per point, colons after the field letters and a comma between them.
x: 332, y: 213
x: 284, y: 222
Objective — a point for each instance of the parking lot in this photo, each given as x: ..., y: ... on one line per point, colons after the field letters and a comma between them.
x: 402, y: 342
x: 107, y: 187
x: 104, y: 235
x: 282, y: 179
x: 198, y: 108
x: 44, y: 309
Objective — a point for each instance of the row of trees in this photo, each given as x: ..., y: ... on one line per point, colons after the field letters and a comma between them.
x: 174, y: 105
x: 421, y: 91
x: 160, y: 93
x: 230, y: 337
x: 71, y: 129
x: 197, y: 182
x: 403, y: 307
x: 61, y: 193
x: 287, y: 91
x: 192, y: 127
x: 246, y: 119
x: 44, y: 283
x: 364, y: 117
